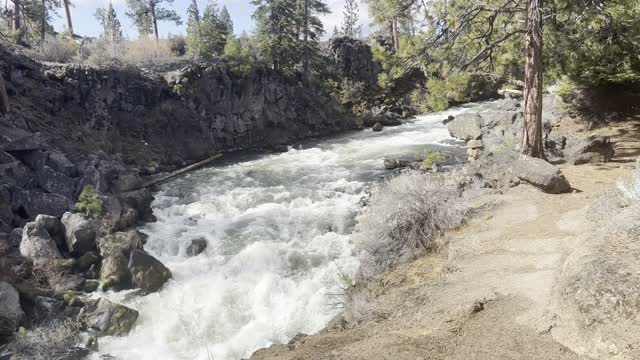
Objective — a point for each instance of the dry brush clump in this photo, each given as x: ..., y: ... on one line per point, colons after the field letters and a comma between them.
x: 47, y: 342
x: 405, y: 217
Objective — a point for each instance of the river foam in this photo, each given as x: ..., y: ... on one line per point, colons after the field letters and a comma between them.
x: 278, y: 232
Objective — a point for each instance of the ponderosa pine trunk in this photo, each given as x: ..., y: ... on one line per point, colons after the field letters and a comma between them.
x: 532, y: 137
x: 305, y: 49
x: 43, y: 21
x: 67, y: 12
x: 154, y: 22
x: 4, y: 99
x: 15, y: 21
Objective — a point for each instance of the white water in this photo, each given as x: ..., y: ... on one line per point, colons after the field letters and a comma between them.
x: 278, y: 227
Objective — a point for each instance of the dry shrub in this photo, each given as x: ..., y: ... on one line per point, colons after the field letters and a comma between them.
x: 45, y: 343
x: 405, y: 215
x: 142, y: 52
x: 57, y: 49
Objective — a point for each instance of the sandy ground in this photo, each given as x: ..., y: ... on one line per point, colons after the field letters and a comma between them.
x: 492, y: 293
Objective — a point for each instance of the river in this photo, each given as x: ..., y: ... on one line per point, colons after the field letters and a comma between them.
x: 278, y: 232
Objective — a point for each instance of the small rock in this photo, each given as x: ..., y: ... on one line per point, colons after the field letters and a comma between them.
x: 196, y: 247
x: 377, y: 127
x: 474, y: 144
x: 107, y: 318
x: 80, y: 233
x: 147, y: 272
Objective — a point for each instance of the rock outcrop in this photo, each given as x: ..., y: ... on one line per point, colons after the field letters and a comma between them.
x: 147, y: 273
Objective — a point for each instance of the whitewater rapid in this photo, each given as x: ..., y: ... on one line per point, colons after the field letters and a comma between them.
x: 278, y: 232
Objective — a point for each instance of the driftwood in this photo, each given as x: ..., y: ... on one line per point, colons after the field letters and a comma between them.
x: 182, y: 171
x: 4, y: 98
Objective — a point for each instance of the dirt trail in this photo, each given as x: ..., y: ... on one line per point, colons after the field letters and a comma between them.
x: 491, y: 295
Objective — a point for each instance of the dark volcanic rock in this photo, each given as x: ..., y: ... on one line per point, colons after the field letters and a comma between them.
x: 54, y: 182
x: 33, y: 202
x: 107, y: 318
x: 593, y: 149
x: 354, y: 60
x: 196, y: 247
x: 147, y: 272
x: 80, y: 233
x: 54, y: 227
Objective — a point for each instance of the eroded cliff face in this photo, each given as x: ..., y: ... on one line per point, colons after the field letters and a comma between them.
x: 71, y: 126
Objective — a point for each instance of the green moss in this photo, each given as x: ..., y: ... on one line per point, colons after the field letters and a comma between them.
x: 89, y: 202
x: 432, y: 158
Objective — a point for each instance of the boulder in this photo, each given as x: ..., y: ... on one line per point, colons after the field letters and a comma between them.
x: 391, y: 164
x: 54, y: 182
x: 35, y: 159
x: 6, y: 158
x: 542, y: 175
x: 594, y: 149
x: 28, y: 143
x: 80, y: 233
x: 147, y: 272
x: 196, y: 247
x: 377, y: 127
x: 37, y: 244
x: 16, y: 174
x: 10, y: 311
x: 91, y: 176
x: 107, y: 318
x: 466, y: 126
x: 116, y: 250
x: 54, y: 227
x: 449, y: 119
x: 35, y: 202
x: 58, y: 162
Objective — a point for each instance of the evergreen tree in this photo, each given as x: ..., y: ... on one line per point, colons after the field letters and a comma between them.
x: 311, y: 30
x: 350, y: 25
x: 277, y: 33
x: 212, y: 33
x: 139, y: 13
x: 225, y: 19
x: 111, y: 28
x: 193, y: 28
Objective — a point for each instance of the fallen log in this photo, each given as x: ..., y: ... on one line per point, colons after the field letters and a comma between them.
x: 4, y: 98
x: 182, y: 171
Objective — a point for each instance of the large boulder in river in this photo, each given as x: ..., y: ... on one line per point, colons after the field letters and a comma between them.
x: 196, y: 247
x: 377, y: 127
x: 10, y: 311
x: 80, y: 233
x: 594, y: 149
x: 466, y: 126
x: 107, y: 318
x: 147, y: 272
x: 37, y: 244
x: 116, y: 250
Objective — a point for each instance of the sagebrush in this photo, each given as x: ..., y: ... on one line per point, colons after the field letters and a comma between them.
x: 405, y: 216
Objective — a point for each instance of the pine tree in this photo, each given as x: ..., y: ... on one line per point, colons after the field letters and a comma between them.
x: 193, y: 28
x: 139, y: 13
x: 213, y: 33
x: 112, y: 30
x: 350, y: 21
x: 277, y: 33
x: 225, y: 19
x: 533, y: 86
x: 67, y: 12
x: 311, y: 30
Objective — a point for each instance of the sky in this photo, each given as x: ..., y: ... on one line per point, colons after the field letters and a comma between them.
x: 85, y: 24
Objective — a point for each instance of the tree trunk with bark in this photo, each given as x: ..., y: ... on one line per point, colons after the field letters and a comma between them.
x: 43, y: 20
x: 305, y: 48
x: 154, y: 23
x: 4, y: 98
x: 67, y: 12
x: 395, y: 34
x: 532, y: 137
x: 16, y: 23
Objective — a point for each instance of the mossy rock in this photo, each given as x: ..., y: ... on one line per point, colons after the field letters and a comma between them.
x: 107, y: 318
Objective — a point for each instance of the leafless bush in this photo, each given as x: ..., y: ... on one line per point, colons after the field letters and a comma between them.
x: 57, y: 49
x: 143, y: 52
x: 45, y: 343
x: 405, y: 216
x: 359, y: 307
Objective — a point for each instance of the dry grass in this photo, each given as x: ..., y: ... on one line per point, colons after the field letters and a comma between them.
x: 404, y: 218
x: 46, y: 343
